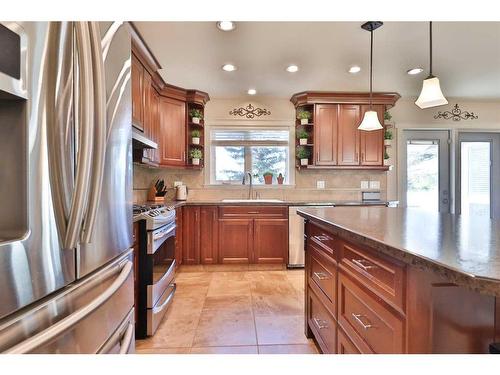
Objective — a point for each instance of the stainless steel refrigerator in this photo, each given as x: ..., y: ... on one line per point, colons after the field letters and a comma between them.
x: 66, y: 265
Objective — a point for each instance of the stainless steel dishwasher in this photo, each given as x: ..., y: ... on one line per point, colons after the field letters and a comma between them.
x: 296, y: 236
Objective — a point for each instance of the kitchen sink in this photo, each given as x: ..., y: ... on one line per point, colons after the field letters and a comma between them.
x: 252, y: 200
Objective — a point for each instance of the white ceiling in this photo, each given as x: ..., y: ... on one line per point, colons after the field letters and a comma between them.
x: 466, y: 57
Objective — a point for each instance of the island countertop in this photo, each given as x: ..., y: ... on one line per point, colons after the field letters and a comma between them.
x: 465, y: 250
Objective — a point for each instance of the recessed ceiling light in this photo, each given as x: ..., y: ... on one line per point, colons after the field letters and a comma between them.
x: 252, y: 91
x: 226, y: 25
x: 354, y: 69
x: 292, y: 68
x: 415, y: 71
x: 228, y: 67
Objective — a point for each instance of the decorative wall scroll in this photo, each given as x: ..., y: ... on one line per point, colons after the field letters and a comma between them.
x: 249, y: 112
x: 456, y: 114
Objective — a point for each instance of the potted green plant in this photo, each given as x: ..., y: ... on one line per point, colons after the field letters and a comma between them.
x: 387, y: 117
x: 304, y: 116
x: 268, y: 177
x: 195, y: 137
x: 196, y: 115
x: 195, y: 154
x: 303, y: 154
x: 280, y: 179
x: 387, y: 137
x: 386, y: 158
x: 303, y: 136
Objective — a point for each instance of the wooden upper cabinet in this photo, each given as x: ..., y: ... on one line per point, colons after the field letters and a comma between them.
x: 172, y: 132
x: 270, y: 240
x: 348, y: 134
x: 191, y: 235
x: 137, y: 93
x: 325, y: 134
x: 236, y: 241
x: 209, y: 238
x: 155, y: 125
x: 372, y: 142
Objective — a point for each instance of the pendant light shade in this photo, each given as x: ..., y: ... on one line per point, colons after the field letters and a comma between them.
x: 431, y: 94
x: 370, y: 120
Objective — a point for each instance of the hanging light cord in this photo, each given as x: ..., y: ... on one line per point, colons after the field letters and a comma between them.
x: 371, y: 66
x: 430, y: 48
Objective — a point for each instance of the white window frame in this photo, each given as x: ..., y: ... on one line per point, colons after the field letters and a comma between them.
x: 289, y: 178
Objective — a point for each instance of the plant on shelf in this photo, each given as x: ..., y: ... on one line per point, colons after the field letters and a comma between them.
x: 280, y: 179
x: 387, y: 137
x: 387, y: 116
x: 386, y: 158
x: 268, y: 177
x: 195, y: 137
x: 303, y: 154
x: 195, y: 154
x: 304, y: 116
x: 302, y: 136
x: 196, y: 115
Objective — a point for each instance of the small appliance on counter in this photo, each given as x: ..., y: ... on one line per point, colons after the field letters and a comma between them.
x: 181, y: 192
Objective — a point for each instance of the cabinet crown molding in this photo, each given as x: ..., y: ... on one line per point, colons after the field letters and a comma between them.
x: 327, y: 97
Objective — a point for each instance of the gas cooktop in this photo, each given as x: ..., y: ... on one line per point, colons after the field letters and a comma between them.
x: 156, y: 215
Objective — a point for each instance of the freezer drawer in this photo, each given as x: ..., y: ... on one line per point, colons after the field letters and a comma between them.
x: 79, y: 319
x: 123, y: 340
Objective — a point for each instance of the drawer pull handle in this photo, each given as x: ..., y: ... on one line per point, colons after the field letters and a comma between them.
x: 321, y: 275
x: 322, y: 238
x: 364, y: 264
x: 253, y: 212
x: 358, y: 317
x: 322, y: 324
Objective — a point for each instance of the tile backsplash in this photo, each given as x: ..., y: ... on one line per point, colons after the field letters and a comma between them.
x: 339, y: 185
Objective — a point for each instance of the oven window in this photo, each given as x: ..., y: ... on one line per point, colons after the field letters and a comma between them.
x: 163, y: 258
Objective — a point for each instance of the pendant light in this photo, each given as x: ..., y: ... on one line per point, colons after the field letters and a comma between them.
x: 370, y: 120
x: 431, y: 95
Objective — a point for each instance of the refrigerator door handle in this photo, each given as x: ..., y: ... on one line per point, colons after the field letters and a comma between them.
x: 70, y: 321
x: 85, y: 138
x: 100, y: 131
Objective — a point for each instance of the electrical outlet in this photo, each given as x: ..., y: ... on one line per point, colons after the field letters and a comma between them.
x: 364, y: 184
x: 177, y: 183
x: 320, y: 184
x: 374, y: 184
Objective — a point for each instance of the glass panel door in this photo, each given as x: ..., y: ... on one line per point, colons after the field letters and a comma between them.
x: 475, y: 181
x: 425, y: 173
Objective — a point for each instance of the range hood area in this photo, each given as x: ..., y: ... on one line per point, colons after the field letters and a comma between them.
x: 140, y: 142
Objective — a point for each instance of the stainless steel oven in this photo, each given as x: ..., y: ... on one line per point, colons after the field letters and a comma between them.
x: 156, y: 269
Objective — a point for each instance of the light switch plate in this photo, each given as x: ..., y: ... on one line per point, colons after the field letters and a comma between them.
x: 177, y: 183
x: 374, y: 184
x: 364, y: 184
x: 320, y: 184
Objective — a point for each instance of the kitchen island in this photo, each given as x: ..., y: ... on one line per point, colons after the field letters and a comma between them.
x: 393, y: 280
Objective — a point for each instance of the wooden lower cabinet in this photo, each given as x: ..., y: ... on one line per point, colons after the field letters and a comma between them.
x: 270, y: 240
x: 178, y: 235
x: 191, y: 235
x: 236, y: 241
x: 345, y: 345
x: 321, y: 323
x: 209, y: 235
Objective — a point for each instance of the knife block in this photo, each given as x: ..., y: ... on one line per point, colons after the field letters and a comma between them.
x: 152, y: 196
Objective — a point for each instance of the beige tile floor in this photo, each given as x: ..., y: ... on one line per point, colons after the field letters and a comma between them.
x: 233, y: 310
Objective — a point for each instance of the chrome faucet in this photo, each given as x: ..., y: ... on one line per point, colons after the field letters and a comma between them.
x: 250, y: 186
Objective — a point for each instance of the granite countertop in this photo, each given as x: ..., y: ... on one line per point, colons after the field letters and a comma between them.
x: 176, y: 204
x: 465, y: 250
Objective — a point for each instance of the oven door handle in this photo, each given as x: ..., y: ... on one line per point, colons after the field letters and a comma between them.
x: 163, y: 233
x: 167, y: 301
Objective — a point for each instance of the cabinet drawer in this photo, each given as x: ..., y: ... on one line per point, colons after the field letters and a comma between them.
x: 372, y: 325
x: 260, y: 211
x: 321, y: 237
x: 384, y: 277
x: 322, y: 274
x: 321, y: 323
x: 345, y: 345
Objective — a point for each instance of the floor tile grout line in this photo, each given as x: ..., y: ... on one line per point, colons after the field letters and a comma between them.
x: 201, y: 312
x: 254, y: 320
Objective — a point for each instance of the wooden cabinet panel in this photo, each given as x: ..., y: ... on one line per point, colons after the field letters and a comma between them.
x: 321, y: 323
x: 322, y: 273
x: 325, y: 241
x: 172, y: 132
x: 154, y: 155
x: 325, y: 134
x: 270, y: 241
x: 209, y: 235
x: 348, y: 135
x: 254, y: 211
x: 367, y: 321
x: 137, y: 93
x: 372, y: 142
x: 345, y: 345
x: 179, y: 232
x: 236, y: 240
x: 191, y: 235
